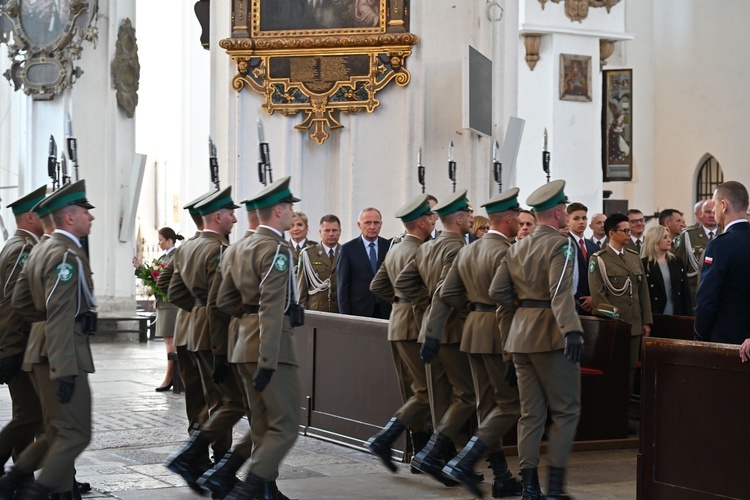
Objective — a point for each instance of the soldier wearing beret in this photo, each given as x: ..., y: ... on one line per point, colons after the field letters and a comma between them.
x: 259, y: 288
x: 56, y: 283
x: 545, y: 339
x: 403, y: 331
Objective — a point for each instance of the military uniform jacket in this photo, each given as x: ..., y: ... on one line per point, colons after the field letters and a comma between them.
x: 538, y: 268
x: 695, y: 238
x: 426, y: 273
x: 258, y: 274
x: 36, y: 346
x: 182, y: 323
x: 468, y: 283
x: 189, y: 288
x: 623, y: 284
x: 14, y: 328
x: 57, y: 282
x: 297, y: 253
x: 406, y: 315
x: 316, y: 279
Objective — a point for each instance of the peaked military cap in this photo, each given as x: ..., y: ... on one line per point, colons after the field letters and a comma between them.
x: 41, y: 208
x: 606, y: 311
x: 547, y: 196
x: 507, y: 200
x: 28, y: 202
x: 273, y: 194
x: 190, y: 207
x: 454, y: 203
x: 69, y: 194
x: 216, y: 201
x: 414, y: 209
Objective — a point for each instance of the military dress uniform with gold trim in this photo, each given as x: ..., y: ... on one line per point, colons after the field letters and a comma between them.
x: 696, y: 239
x: 316, y: 279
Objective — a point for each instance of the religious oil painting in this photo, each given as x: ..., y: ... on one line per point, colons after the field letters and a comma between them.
x: 617, y: 125
x: 44, y: 21
x: 318, y: 17
x: 575, y: 77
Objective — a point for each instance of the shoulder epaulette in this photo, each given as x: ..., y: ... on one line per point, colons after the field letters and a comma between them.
x: 599, y: 252
x: 633, y: 251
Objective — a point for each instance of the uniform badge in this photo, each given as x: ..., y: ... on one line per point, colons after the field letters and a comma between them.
x: 592, y: 265
x: 22, y: 259
x: 64, y: 272
x: 568, y: 251
x: 281, y: 263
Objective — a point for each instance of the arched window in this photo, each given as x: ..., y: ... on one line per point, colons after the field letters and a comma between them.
x: 710, y: 176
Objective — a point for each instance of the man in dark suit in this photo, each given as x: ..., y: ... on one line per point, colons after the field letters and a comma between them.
x: 358, y: 262
x: 721, y: 312
x: 577, y: 219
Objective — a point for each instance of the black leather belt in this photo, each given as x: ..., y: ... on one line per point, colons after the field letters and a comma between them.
x: 250, y: 309
x: 539, y: 304
x: 401, y: 300
x: 200, y: 303
x: 485, y: 308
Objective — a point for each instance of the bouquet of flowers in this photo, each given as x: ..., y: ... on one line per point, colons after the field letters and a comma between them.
x: 149, y: 274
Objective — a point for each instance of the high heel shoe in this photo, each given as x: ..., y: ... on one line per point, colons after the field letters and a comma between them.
x: 164, y: 388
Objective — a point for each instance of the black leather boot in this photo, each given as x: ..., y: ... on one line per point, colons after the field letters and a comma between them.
x: 449, y: 453
x: 248, y: 489
x: 504, y: 483
x: 35, y: 491
x: 271, y: 492
x: 221, y: 478
x: 531, y: 488
x: 380, y: 444
x: 431, y: 459
x: 190, y: 460
x: 555, y: 484
x: 67, y: 495
x: 461, y: 467
x: 12, y: 481
x: 418, y: 442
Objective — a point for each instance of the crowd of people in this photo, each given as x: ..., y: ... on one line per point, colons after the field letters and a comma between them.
x: 483, y: 322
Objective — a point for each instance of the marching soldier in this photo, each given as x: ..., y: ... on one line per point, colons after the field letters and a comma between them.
x: 191, y: 288
x: 403, y: 331
x: 316, y: 274
x: 485, y: 330
x: 56, y: 282
x: 441, y: 335
x: 259, y: 286
x: 535, y: 283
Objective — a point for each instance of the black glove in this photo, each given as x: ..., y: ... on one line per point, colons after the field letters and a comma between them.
x: 220, y: 369
x: 510, y: 374
x: 9, y: 367
x: 573, y: 346
x: 261, y: 378
x: 65, y: 388
x: 429, y: 350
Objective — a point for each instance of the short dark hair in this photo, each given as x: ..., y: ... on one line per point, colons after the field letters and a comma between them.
x: 330, y: 218
x: 431, y: 198
x: 613, y: 221
x: 735, y: 194
x: 667, y: 213
x: 633, y: 211
x: 575, y: 207
x: 528, y: 212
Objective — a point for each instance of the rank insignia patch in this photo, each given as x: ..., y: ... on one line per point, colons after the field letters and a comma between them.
x: 64, y: 272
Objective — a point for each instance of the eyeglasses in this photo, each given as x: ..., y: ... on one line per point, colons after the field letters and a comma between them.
x: 626, y: 231
x: 484, y: 228
x: 637, y: 221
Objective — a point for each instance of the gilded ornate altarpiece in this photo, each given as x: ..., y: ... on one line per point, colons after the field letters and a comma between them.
x: 319, y: 57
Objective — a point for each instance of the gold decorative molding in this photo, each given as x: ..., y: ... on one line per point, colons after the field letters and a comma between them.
x: 533, y: 43
x: 606, y: 49
x: 578, y: 10
x: 320, y: 69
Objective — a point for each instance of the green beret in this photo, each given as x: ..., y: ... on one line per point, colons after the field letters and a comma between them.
x: 69, y: 194
x: 454, y: 203
x: 28, y: 202
x: 216, y: 201
x: 414, y: 209
x: 507, y: 200
x: 273, y: 194
x: 548, y: 196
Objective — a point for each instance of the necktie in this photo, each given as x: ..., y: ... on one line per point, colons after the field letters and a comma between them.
x: 330, y: 254
x: 710, y: 235
x: 599, y: 244
x: 638, y: 245
x: 373, y: 257
x: 583, y: 250
x: 299, y: 248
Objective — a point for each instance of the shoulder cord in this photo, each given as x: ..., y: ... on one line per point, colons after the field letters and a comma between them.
x: 691, y: 256
x: 316, y: 284
x: 565, y: 266
x: 7, y: 282
x: 618, y: 292
x: 398, y: 239
x: 78, y: 298
x: 291, y: 287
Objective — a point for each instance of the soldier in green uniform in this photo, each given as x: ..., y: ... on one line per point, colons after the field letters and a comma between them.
x: 535, y: 283
x: 56, y: 283
x: 467, y: 288
x: 191, y: 288
x: 316, y: 274
x: 616, y: 277
x: 403, y: 331
x: 693, y: 243
x: 440, y: 334
x: 259, y: 287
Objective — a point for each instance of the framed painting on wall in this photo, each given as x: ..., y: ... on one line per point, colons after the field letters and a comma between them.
x: 575, y: 78
x: 318, y: 17
x: 617, y: 125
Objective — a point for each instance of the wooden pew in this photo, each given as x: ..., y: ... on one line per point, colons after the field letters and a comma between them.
x: 672, y: 327
x: 694, y: 421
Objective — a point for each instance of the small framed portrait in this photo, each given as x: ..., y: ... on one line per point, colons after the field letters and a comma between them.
x: 274, y: 18
x: 617, y: 125
x: 575, y: 78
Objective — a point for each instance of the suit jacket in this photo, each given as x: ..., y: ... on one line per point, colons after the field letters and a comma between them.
x: 583, y: 264
x: 604, y: 243
x: 683, y: 306
x: 314, y: 260
x: 721, y: 304
x: 632, y: 246
x: 353, y: 276
x: 472, y: 237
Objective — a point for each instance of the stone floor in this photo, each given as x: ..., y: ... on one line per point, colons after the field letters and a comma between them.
x: 135, y: 429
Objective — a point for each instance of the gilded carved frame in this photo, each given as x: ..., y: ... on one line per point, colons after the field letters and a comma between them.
x: 320, y: 69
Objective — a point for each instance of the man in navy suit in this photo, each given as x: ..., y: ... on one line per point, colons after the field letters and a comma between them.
x: 577, y: 220
x: 358, y: 262
x: 721, y: 303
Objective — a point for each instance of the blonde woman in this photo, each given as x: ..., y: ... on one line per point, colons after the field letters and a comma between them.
x: 666, y: 276
x: 480, y: 226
